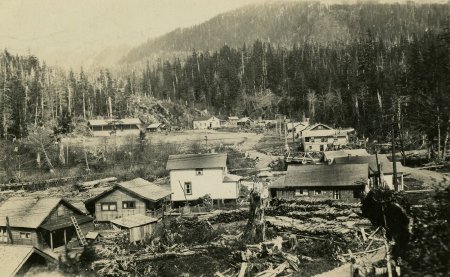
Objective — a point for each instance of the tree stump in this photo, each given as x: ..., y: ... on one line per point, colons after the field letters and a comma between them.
x: 255, y: 231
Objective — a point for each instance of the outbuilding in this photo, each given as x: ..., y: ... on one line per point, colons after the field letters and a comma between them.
x: 138, y: 226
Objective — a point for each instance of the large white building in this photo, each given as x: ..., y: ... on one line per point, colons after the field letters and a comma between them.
x: 195, y: 175
x: 320, y: 137
x: 206, y: 122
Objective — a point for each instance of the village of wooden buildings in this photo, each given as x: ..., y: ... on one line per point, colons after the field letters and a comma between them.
x: 333, y: 165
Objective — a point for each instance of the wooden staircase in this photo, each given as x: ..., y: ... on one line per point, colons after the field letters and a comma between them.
x: 80, y: 235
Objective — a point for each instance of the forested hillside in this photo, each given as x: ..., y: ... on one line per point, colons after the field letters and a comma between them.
x: 286, y: 23
x: 366, y: 82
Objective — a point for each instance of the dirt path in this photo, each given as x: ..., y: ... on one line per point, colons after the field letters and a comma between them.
x: 430, y: 179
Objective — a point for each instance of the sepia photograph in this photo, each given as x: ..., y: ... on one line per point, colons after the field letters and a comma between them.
x: 225, y: 138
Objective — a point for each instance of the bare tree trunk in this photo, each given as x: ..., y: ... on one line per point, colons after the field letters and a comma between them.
x: 84, y: 106
x: 444, y: 150
x: 255, y: 231
x: 52, y: 169
x: 439, y: 133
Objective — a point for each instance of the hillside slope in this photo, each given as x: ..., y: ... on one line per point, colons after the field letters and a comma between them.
x: 287, y: 23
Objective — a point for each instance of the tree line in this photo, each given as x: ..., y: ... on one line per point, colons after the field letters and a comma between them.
x: 377, y: 87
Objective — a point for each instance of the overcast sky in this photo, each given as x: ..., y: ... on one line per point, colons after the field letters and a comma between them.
x: 68, y: 31
x: 54, y: 28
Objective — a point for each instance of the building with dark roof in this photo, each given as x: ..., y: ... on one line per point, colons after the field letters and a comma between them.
x: 386, y: 168
x: 136, y: 196
x: 345, y: 181
x: 195, y: 175
x: 43, y: 223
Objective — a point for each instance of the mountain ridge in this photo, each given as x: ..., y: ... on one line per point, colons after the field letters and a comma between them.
x: 287, y: 23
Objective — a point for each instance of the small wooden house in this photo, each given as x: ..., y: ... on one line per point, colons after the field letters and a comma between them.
x: 386, y: 166
x: 19, y: 260
x: 139, y: 226
x: 136, y: 196
x: 43, y: 223
x: 155, y: 127
x: 344, y: 181
x: 244, y: 122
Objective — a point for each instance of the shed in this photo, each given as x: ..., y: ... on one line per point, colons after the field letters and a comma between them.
x: 155, y: 127
x: 139, y: 226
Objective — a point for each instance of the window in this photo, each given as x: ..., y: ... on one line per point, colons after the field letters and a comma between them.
x: 356, y: 193
x: 336, y: 194
x: 317, y: 192
x: 60, y: 211
x: 199, y: 171
x: 324, y: 139
x: 187, y: 188
x: 312, y: 139
x: 109, y: 206
x: 3, y: 235
x: 25, y: 235
x: 129, y: 205
x: 301, y: 192
x: 307, y: 139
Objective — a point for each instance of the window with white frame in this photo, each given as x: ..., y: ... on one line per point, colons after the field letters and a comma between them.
x: 128, y: 204
x: 336, y: 194
x: 187, y: 188
x: 25, y: 235
x: 109, y: 206
x: 317, y: 192
x: 301, y: 192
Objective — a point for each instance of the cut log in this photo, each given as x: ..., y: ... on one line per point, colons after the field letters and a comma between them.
x: 243, y: 270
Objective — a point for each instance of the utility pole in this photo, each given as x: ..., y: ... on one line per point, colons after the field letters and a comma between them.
x: 285, y: 133
x: 8, y: 230
x: 206, y: 140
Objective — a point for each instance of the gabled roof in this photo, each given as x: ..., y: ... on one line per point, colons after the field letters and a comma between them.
x: 320, y: 129
x: 231, y: 178
x: 154, y: 125
x: 386, y: 166
x: 139, y: 187
x: 331, y: 155
x: 132, y: 221
x: 245, y: 119
x: 30, y: 212
x: 192, y: 161
x: 319, y: 126
x: 205, y: 118
x: 13, y: 257
x: 343, y: 175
